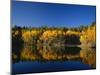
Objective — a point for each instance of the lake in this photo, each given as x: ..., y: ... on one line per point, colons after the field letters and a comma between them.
x: 52, y: 59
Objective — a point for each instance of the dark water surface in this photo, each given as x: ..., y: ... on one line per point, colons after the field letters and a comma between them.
x: 36, y: 67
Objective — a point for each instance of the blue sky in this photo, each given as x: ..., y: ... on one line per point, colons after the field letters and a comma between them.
x: 37, y: 14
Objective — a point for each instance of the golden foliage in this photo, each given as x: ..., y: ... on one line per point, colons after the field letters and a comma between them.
x: 26, y: 36
x: 89, y: 36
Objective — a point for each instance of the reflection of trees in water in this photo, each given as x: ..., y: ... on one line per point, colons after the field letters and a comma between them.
x: 16, y: 50
x: 72, y: 39
x: 59, y: 53
x: 49, y: 53
x: 88, y: 56
x: 28, y: 53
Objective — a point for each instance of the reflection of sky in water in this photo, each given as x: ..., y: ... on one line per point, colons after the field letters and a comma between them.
x: 29, y: 67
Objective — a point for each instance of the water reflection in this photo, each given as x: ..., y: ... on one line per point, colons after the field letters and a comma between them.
x: 59, y: 53
x: 52, y: 53
x: 88, y: 56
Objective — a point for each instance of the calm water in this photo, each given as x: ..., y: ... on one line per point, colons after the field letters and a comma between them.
x: 35, y: 67
x: 53, y: 59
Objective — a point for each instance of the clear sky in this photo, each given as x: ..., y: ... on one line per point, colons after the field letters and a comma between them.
x: 37, y: 14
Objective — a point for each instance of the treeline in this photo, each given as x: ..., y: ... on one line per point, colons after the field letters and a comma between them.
x: 53, y: 35
x: 45, y: 27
